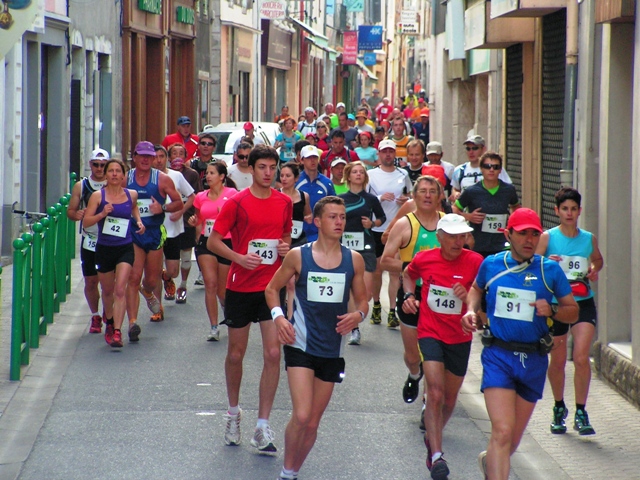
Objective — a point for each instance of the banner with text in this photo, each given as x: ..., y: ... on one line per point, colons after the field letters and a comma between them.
x: 273, y: 9
x: 369, y: 37
x: 350, y: 48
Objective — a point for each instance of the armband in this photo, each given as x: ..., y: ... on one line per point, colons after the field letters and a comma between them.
x: 276, y: 312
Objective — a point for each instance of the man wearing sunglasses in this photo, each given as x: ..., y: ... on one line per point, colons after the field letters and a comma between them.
x: 240, y: 172
x: 80, y: 194
x: 469, y: 173
x: 184, y: 136
x: 204, y: 155
x: 487, y: 205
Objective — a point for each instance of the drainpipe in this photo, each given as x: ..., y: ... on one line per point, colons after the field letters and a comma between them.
x: 571, y: 85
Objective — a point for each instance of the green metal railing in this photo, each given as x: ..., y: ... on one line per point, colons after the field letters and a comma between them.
x: 41, y: 279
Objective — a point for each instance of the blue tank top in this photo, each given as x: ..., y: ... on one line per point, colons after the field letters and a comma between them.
x: 575, y: 252
x: 145, y: 193
x: 118, y: 223
x: 321, y: 295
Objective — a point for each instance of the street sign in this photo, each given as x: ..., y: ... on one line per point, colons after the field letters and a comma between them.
x: 369, y: 37
x: 369, y: 59
x: 354, y: 5
x: 409, y: 28
x: 273, y: 9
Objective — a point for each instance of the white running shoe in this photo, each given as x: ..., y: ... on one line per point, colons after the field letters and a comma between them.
x: 263, y: 440
x: 232, y: 431
x: 354, y: 337
x: 214, y: 334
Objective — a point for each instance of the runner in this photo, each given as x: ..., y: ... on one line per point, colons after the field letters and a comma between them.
x: 314, y: 339
x: 259, y: 219
x: 112, y: 208
x: 413, y: 233
x: 392, y: 186
x: 580, y: 259
x: 289, y: 174
x: 214, y: 267
x: 361, y: 208
x: 519, y: 288
x: 448, y: 273
x: 174, y: 226
x: 78, y: 202
x: 153, y: 188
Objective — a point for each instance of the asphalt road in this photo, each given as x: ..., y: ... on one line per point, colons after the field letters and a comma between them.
x: 154, y: 410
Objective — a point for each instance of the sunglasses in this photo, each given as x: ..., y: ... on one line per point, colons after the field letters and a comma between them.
x: 242, y: 157
x: 98, y: 164
x: 473, y: 148
x: 491, y: 166
x: 207, y: 144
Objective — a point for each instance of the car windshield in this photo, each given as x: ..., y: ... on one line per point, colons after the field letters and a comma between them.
x: 226, y: 140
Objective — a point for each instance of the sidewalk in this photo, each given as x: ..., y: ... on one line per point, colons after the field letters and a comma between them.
x: 611, y: 453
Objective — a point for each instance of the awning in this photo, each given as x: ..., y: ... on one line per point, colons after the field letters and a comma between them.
x: 321, y: 45
x: 308, y: 29
x: 240, y: 26
x: 366, y: 71
x: 280, y: 25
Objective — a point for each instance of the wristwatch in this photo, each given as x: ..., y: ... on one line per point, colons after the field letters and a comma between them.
x: 362, y: 315
x: 409, y: 294
x: 164, y: 207
x: 554, y: 309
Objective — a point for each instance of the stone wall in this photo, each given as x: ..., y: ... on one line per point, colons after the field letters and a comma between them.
x: 623, y: 375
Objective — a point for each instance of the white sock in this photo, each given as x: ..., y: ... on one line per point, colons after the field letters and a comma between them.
x: 435, y: 457
x: 262, y: 423
x: 93, y: 314
x: 414, y: 376
x: 234, y: 410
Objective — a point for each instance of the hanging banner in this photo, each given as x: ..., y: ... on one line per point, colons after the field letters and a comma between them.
x: 16, y: 17
x: 272, y: 9
x: 369, y: 37
x: 354, y: 5
x: 350, y: 48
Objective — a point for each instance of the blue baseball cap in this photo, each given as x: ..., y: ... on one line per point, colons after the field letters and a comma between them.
x: 184, y: 121
x: 351, y: 116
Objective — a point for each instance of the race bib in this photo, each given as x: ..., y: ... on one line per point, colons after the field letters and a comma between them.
x: 208, y: 227
x: 353, y: 240
x: 289, y: 155
x: 513, y: 303
x: 443, y: 300
x: 266, y: 249
x: 492, y: 223
x: 325, y: 287
x: 296, y: 231
x: 116, y: 226
x: 143, y: 207
x: 575, y: 268
x: 89, y: 241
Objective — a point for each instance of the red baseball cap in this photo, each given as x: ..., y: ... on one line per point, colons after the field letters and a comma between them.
x: 248, y: 126
x: 524, y: 218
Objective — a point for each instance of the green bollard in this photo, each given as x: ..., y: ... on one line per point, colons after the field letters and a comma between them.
x: 68, y: 228
x: 17, y: 309
x: 56, y: 271
x: 38, y: 327
x: 48, y: 269
x: 61, y: 255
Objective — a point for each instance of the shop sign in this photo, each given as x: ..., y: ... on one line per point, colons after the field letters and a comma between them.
x: 151, y: 6
x: 350, y: 48
x: 273, y: 9
x: 369, y: 37
x: 185, y: 15
x: 369, y: 59
x: 354, y: 5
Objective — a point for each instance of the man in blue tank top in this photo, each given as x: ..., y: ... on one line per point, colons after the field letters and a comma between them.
x: 519, y: 288
x: 577, y: 252
x: 153, y: 188
x: 314, y: 338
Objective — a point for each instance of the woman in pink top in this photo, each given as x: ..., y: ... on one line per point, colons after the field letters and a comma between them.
x: 213, y: 267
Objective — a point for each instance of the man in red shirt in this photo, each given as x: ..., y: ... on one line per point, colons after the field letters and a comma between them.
x: 184, y: 136
x: 383, y: 110
x: 337, y: 150
x: 259, y: 219
x: 447, y: 274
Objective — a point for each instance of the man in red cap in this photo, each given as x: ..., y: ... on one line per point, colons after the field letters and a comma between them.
x: 184, y: 136
x: 519, y: 287
x: 250, y: 131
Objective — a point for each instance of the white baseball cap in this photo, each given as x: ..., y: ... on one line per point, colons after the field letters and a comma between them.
x: 454, y: 224
x: 99, y: 154
x: 387, y: 144
x: 338, y: 161
x: 309, y: 151
x: 434, y: 147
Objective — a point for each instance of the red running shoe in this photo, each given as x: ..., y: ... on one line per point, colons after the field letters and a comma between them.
x: 116, y: 341
x: 96, y: 324
x: 108, y: 333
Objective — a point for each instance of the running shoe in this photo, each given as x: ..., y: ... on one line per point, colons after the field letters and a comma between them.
x: 392, y: 320
x: 199, y: 280
x: 422, y: 427
x: 440, y: 469
x: 116, y: 341
x: 232, y: 431
x: 376, y: 314
x: 411, y: 389
x: 581, y: 423
x: 557, y: 423
x: 181, y: 295
x: 286, y: 476
x: 214, y: 334
x: 169, y: 287
x: 482, y: 463
x: 263, y: 440
x: 108, y: 333
x: 152, y: 302
x: 134, y: 332
x: 429, y: 453
x: 96, y: 324
x: 354, y: 337
x: 158, y: 317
